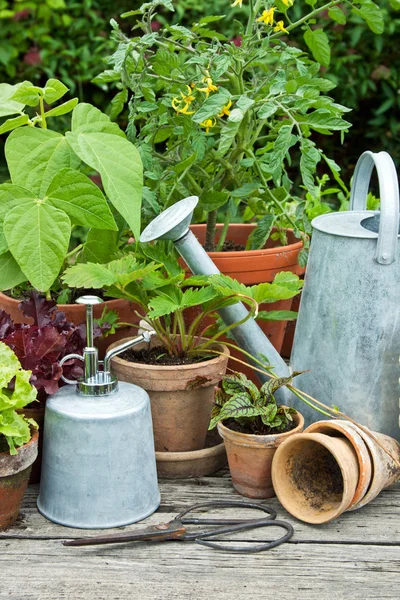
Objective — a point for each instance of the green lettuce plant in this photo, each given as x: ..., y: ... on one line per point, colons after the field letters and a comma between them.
x: 15, y: 393
x: 255, y: 410
x: 229, y: 122
x: 153, y: 279
x: 49, y: 193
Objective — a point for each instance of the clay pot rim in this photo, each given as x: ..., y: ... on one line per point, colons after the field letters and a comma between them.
x: 190, y: 455
x: 264, y: 441
x: 323, y: 440
x: 6, y: 457
x: 253, y: 253
x: 61, y: 307
x: 168, y: 368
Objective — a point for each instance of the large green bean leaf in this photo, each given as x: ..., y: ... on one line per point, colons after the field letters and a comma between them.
x: 38, y: 237
x: 120, y: 168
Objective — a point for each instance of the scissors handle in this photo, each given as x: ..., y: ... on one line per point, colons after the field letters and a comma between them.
x: 157, y: 533
x: 223, y: 504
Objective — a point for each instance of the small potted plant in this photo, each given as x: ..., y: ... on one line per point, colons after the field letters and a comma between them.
x: 252, y: 426
x: 50, y: 197
x: 18, y: 435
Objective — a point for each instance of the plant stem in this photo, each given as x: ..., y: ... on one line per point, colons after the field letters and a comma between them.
x: 254, y: 8
x: 211, y: 230
x: 224, y: 231
x: 42, y: 113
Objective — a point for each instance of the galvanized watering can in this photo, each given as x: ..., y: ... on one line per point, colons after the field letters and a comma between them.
x: 99, y: 467
x: 348, y: 328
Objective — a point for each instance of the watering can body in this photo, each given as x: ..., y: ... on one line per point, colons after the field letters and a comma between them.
x: 99, y: 467
x: 348, y: 329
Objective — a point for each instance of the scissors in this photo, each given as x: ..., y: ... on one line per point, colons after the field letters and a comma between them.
x: 176, y: 529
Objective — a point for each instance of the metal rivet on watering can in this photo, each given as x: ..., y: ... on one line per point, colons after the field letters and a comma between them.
x: 348, y: 328
x: 173, y: 224
x: 99, y: 467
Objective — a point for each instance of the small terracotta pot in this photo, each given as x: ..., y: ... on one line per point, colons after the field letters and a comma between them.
x: 180, y: 407
x: 315, y: 476
x: 76, y: 313
x: 37, y: 414
x: 337, y: 428
x: 250, y: 458
x: 14, y: 475
x: 198, y: 463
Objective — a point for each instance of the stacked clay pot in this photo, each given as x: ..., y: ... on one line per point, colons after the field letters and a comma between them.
x: 332, y: 467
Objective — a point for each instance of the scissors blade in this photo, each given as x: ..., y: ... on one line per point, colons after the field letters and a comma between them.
x: 174, y: 530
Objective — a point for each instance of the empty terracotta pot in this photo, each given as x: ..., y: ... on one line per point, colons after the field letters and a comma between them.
x: 250, y: 458
x: 14, y: 475
x: 181, y: 396
x: 315, y: 476
x: 336, y: 428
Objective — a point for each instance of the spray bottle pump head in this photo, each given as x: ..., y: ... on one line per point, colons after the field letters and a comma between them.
x: 96, y: 381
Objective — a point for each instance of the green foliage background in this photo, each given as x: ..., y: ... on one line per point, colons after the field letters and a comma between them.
x: 68, y: 40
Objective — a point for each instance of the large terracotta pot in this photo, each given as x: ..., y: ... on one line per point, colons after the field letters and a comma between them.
x: 250, y: 458
x: 76, y: 313
x: 181, y: 397
x: 14, y: 475
x: 256, y: 266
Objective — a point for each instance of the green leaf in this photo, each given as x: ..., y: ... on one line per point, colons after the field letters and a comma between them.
x: 27, y: 93
x: 277, y: 315
x: 81, y: 199
x: 62, y: 109
x: 88, y: 119
x: 107, y: 76
x: 213, y: 200
x: 8, y: 106
x: 372, y: 14
x: 245, y: 190
x: 24, y: 393
x: 273, y: 384
x: 320, y: 119
x: 259, y: 236
x: 9, y: 365
x: 120, y: 168
x: 38, y: 238
x: 228, y: 134
x: 267, y: 110
x: 100, y: 246
x: 192, y: 297
x: 34, y: 156
x: 88, y: 275
x: 282, y: 144
x: 310, y: 157
x: 336, y: 14
x: 212, y: 106
x: 238, y: 407
x: 318, y: 43
x: 54, y: 90
x: 118, y: 103
x: 11, y: 124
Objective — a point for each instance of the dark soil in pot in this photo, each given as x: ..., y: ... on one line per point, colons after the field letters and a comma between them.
x: 261, y: 430
x: 158, y: 356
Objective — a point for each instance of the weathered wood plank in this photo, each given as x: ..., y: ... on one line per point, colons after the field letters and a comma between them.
x: 376, y: 523
x: 46, y: 570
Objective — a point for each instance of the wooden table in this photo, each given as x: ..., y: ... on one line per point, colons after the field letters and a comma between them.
x: 356, y: 556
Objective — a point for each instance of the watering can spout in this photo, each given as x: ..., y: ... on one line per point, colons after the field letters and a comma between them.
x: 173, y: 224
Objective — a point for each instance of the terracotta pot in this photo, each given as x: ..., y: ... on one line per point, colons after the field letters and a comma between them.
x: 36, y: 413
x: 315, y: 476
x: 198, y: 463
x: 76, y: 313
x: 14, y: 475
x: 250, y: 458
x: 180, y: 409
x: 336, y: 428
x: 384, y: 471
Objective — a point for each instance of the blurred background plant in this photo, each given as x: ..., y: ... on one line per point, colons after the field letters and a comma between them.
x: 68, y: 40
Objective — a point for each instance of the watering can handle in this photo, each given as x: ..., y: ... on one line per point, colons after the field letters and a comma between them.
x: 389, y: 195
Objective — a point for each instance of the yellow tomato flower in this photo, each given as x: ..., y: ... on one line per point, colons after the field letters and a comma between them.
x: 177, y: 106
x: 268, y: 16
x: 237, y: 3
x: 189, y: 98
x: 279, y: 27
x: 210, y: 86
x: 225, y: 110
x: 288, y: 3
x: 208, y: 123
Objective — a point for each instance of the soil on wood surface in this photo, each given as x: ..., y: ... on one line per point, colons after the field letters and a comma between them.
x: 319, y: 478
x: 257, y: 428
x: 159, y: 356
